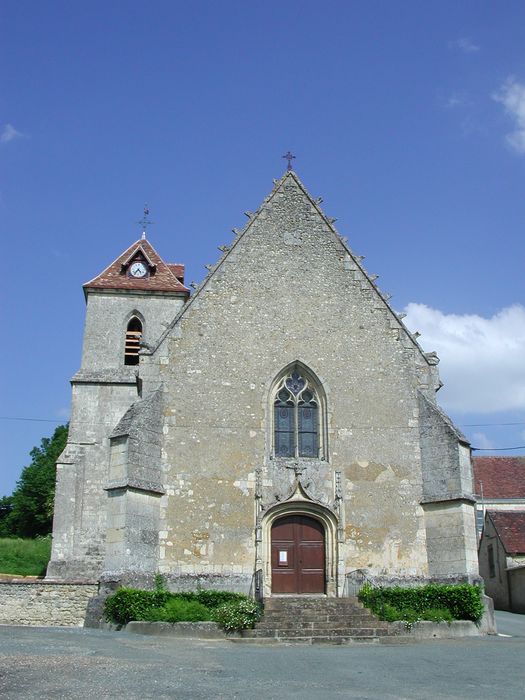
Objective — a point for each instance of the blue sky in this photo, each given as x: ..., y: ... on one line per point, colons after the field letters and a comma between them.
x: 407, y: 117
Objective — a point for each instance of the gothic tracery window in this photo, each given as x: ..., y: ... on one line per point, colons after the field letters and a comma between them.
x: 296, y: 417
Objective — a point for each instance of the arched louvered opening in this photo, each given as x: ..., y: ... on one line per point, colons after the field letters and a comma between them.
x: 132, y: 343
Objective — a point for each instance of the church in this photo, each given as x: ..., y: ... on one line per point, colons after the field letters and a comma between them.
x: 274, y: 432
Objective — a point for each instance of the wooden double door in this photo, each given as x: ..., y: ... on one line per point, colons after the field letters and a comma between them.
x: 298, y: 555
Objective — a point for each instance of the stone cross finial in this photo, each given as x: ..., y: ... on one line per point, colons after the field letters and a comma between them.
x: 289, y: 157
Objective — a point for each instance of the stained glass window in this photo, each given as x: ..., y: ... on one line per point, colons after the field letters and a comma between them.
x: 296, y: 418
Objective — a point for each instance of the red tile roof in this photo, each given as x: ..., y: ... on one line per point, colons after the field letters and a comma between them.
x: 502, y: 477
x: 510, y: 526
x: 162, y: 277
x: 178, y: 271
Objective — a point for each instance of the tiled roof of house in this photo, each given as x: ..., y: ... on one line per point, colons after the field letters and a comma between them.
x: 510, y: 526
x: 502, y: 477
x: 161, y: 277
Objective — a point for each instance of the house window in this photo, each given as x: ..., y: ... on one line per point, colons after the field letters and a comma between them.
x: 492, y: 568
x: 132, y: 342
x: 296, y: 416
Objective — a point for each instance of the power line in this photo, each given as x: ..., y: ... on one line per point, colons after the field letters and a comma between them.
x: 486, y: 425
x: 36, y: 420
x: 497, y: 449
x: 354, y: 427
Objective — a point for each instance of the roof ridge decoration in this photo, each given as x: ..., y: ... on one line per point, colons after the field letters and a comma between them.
x: 429, y: 358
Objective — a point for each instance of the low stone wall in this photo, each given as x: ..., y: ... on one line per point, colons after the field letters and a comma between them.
x: 44, y: 603
x: 189, y: 630
x: 434, y: 630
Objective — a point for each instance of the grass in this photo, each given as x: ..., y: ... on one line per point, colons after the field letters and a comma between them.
x: 24, y: 557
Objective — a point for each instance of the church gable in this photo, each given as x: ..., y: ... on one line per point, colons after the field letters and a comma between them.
x: 289, y: 279
x: 290, y: 248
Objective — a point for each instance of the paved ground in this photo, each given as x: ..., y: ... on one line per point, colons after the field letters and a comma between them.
x: 79, y: 664
x: 509, y: 623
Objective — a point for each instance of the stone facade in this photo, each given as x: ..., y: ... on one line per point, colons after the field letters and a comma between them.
x: 45, y: 603
x: 173, y: 466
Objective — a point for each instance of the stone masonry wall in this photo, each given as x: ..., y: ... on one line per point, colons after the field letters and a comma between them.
x: 41, y: 603
x: 289, y: 290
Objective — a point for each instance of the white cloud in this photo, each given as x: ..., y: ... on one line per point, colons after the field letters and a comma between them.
x: 9, y: 133
x: 482, y: 359
x: 482, y: 442
x: 454, y: 101
x: 464, y: 44
x: 512, y: 96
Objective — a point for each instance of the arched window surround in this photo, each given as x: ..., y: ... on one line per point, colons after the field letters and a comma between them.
x: 133, y: 334
x: 315, y: 386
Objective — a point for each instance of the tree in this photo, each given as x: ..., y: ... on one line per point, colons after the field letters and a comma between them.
x: 32, y: 501
x: 6, y: 507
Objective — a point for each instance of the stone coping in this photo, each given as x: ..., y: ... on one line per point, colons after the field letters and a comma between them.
x: 436, y: 630
x: 190, y: 630
x: 12, y: 578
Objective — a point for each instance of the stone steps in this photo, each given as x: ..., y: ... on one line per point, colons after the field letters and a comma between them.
x: 317, y: 620
x: 335, y: 624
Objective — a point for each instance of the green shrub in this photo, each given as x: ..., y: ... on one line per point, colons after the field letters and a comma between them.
x: 437, y: 615
x: 236, y: 610
x: 462, y: 601
x: 238, y: 614
x: 25, y: 557
x: 178, y: 610
x: 133, y: 604
x: 389, y: 613
x: 213, y: 599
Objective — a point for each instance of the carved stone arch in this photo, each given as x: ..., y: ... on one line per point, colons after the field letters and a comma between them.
x: 325, y: 516
x: 135, y: 313
x: 314, y: 383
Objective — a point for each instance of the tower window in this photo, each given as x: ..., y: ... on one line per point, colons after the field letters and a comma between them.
x: 296, y: 417
x: 132, y: 342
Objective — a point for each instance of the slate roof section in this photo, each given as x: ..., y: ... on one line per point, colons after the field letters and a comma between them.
x: 502, y: 477
x: 510, y: 526
x: 163, y: 277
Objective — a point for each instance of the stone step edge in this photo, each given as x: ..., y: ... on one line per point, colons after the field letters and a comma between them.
x: 339, y: 640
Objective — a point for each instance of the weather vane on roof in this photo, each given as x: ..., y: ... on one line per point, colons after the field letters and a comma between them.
x: 145, y: 222
x: 289, y: 157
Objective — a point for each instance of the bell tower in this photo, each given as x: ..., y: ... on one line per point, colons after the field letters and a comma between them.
x: 128, y: 307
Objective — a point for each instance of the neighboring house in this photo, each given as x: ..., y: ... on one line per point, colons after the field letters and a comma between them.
x: 502, y: 559
x: 499, y: 484
x: 274, y: 432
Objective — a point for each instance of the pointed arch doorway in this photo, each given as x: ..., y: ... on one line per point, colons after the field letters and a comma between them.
x: 298, y: 555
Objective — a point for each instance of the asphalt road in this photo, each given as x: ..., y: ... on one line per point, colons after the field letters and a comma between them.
x: 510, y: 624
x: 79, y: 664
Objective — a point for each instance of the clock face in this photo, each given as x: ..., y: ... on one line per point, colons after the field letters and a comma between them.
x: 138, y: 269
